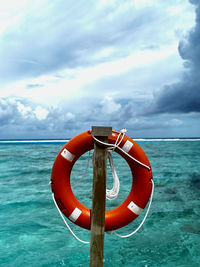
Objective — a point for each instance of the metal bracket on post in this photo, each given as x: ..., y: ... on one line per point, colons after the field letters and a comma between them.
x: 98, y: 196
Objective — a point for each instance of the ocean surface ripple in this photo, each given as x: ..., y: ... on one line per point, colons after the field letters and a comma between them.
x: 33, y: 234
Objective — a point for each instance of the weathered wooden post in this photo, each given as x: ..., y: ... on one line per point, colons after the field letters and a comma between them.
x: 99, y: 196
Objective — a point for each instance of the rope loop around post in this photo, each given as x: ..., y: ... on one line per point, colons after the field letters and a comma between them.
x: 112, y: 147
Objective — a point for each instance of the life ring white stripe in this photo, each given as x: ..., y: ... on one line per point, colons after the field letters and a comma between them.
x: 127, y: 146
x: 75, y: 214
x: 134, y: 208
x: 67, y: 155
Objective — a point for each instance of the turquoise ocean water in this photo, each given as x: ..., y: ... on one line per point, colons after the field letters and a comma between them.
x: 33, y: 234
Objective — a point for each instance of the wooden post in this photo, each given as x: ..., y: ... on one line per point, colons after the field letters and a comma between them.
x: 99, y: 196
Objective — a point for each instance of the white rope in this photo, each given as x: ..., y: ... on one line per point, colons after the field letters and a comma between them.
x: 123, y: 132
x: 84, y: 174
x: 69, y: 228
x: 122, y: 236
x: 113, y: 193
x: 142, y: 222
x: 111, y: 146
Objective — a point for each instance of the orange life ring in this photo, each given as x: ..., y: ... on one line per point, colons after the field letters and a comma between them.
x: 77, y: 212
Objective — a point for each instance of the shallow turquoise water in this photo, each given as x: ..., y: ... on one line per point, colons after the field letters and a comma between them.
x: 33, y: 234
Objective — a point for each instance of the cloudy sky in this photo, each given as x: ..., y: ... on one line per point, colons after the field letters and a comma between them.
x: 68, y: 65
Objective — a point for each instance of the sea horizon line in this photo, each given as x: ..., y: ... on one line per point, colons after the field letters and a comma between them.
x: 63, y: 140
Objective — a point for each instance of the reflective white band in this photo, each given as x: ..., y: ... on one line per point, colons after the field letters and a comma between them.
x: 134, y: 208
x: 67, y: 155
x: 127, y: 146
x: 75, y: 214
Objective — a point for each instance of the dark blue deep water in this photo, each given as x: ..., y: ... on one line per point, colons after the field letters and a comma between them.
x: 33, y: 234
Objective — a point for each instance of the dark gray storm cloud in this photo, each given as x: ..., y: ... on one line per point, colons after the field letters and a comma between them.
x: 183, y: 96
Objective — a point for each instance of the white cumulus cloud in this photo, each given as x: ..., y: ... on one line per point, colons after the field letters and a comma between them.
x: 109, y: 106
x: 40, y: 113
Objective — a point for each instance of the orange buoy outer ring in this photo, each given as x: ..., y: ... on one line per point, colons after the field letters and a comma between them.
x: 77, y: 212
